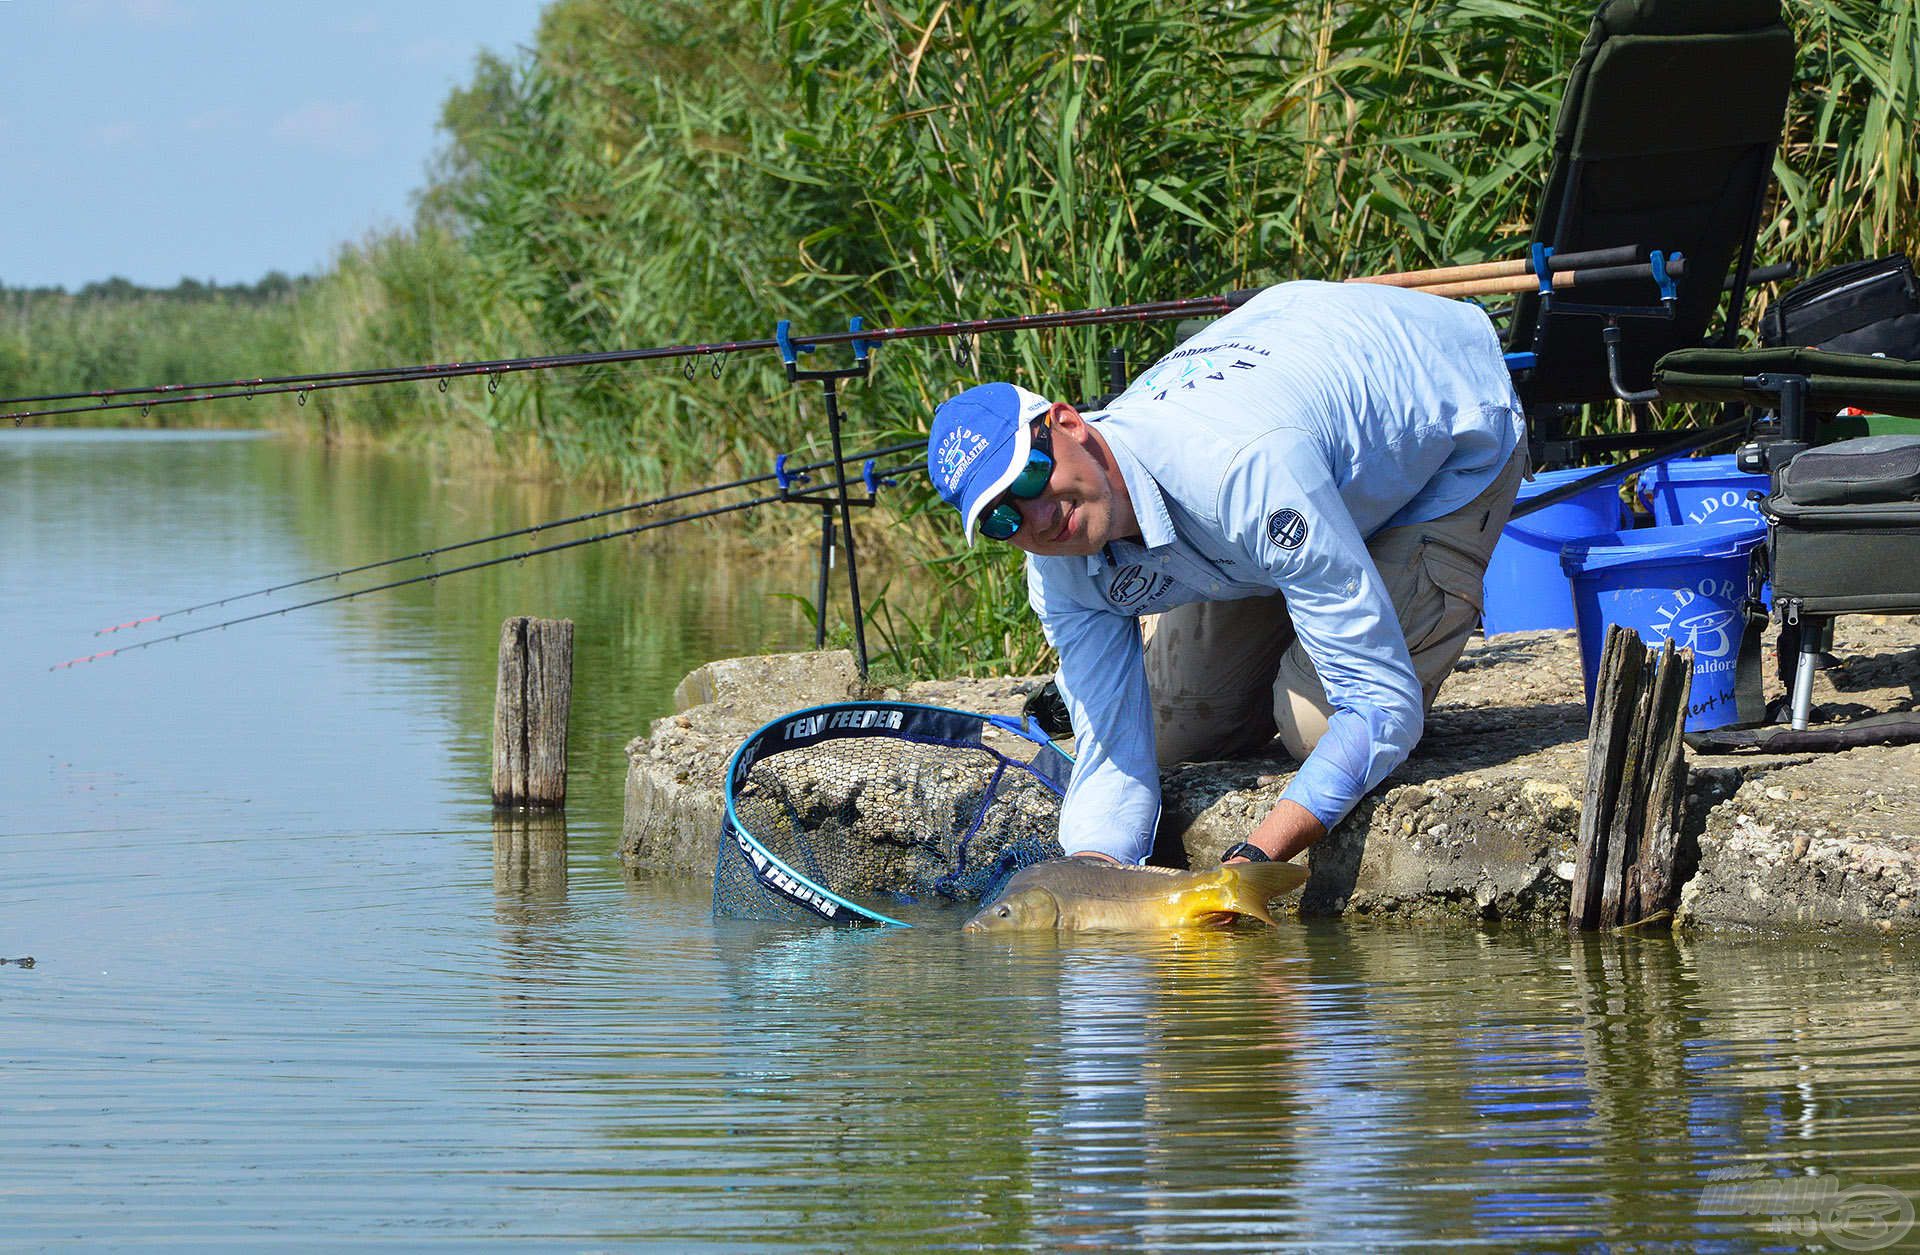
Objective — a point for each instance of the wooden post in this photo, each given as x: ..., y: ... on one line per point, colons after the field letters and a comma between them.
x: 1636, y: 783
x: 530, y: 705
x: 1607, y: 736
x: 1655, y: 890
x: 1623, y: 826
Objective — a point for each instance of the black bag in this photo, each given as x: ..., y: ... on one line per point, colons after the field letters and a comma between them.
x: 1844, y: 537
x: 1862, y: 307
x: 1846, y: 527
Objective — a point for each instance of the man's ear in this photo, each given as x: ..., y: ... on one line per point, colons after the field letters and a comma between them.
x: 1065, y: 419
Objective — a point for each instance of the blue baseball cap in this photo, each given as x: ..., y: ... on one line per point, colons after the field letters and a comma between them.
x: 979, y: 445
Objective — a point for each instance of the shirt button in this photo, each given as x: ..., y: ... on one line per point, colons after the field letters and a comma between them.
x: 1213, y: 586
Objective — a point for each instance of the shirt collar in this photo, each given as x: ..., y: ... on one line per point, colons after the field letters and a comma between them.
x: 1149, y: 507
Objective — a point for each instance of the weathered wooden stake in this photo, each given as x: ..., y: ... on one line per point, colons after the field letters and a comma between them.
x: 1654, y: 872
x: 530, y: 706
x: 1606, y: 751
x: 1636, y: 780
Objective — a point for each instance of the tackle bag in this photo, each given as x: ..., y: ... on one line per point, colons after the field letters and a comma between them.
x: 1865, y: 307
x: 1843, y: 537
x: 1846, y: 527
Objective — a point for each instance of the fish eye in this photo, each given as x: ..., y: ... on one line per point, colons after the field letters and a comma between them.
x: 1004, y: 912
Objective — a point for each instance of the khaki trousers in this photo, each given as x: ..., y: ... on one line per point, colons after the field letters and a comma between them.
x: 1225, y: 676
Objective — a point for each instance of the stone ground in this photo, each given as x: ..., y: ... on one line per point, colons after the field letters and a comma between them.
x: 1480, y: 822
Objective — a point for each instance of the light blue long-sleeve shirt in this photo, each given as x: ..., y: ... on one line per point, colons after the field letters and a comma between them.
x: 1259, y: 456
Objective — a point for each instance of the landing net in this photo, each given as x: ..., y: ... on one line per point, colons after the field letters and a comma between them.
x: 847, y: 812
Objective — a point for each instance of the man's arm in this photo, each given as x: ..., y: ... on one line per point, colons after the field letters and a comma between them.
x: 1113, y: 801
x: 1280, y: 504
x: 1288, y: 829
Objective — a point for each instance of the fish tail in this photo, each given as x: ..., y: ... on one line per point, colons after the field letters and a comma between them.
x: 1250, y: 886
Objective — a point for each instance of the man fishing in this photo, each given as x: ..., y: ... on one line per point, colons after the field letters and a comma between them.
x: 1310, y: 489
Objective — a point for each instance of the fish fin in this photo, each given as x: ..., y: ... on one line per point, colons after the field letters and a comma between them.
x: 1217, y: 919
x: 1250, y: 886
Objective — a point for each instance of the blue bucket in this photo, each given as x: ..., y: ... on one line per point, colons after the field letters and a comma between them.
x: 1684, y: 491
x: 1680, y: 583
x: 1524, y: 586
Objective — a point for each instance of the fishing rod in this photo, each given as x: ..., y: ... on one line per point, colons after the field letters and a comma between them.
x: 1599, y: 264
x: 144, y: 398
x: 1413, y: 278
x: 1625, y: 255
x: 781, y: 471
x: 713, y: 512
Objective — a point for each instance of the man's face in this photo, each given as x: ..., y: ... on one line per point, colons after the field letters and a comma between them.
x: 1074, y: 515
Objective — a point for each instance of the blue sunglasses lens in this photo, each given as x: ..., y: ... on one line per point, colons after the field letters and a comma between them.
x: 1032, y: 481
x: 1001, y: 522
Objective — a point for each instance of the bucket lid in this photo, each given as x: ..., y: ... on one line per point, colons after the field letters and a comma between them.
x: 1695, y: 470
x: 1547, y: 481
x: 1732, y: 538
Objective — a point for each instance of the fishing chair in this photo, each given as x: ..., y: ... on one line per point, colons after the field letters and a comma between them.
x: 1664, y: 141
x: 1843, y: 521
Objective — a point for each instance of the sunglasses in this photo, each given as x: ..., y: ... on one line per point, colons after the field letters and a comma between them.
x: 1003, y: 519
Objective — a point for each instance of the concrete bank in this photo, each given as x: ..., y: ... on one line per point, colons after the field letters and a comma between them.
x: 1480, y: 823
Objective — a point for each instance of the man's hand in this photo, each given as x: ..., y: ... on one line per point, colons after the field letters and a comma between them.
x: 1288, y: 829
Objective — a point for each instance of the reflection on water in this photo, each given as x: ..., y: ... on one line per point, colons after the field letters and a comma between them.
x: 296, y: 981
x: 530, y: 856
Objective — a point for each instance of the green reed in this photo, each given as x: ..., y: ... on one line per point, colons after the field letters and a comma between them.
x: 651, y: 171
x: 115, y: 333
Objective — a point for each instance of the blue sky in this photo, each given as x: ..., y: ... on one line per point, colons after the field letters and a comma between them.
x: 217, y: 139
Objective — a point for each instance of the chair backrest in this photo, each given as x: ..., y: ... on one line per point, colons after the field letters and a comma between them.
x: 1665, y: 139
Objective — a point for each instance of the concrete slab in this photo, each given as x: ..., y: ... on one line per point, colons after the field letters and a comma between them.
x: 1479, y: 824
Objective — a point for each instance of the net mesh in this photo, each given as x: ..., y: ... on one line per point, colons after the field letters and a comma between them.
x: 886, y: 816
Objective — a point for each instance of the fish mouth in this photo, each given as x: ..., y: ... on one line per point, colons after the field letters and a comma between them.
x: 981, y: 922
x: 977, y: 922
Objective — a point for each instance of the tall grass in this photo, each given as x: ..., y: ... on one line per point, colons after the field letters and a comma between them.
x: 1008, y: 156
x: 662, y: 170
x: 1849, y: 168
x: 115, y: 333
x: 390, y: 300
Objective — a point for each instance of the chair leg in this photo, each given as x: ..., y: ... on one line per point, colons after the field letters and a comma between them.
x: 1803, y: 674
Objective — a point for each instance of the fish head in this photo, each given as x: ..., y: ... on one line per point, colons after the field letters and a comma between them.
x: 1024, y: 910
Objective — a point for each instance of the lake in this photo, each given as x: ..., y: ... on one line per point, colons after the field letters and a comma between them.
x: 286, y: 993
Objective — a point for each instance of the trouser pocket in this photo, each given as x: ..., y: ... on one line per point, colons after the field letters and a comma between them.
x: 1458, y: 572
x: 1443, y: 610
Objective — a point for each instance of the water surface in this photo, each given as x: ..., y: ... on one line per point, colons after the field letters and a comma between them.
x: 294, y: 985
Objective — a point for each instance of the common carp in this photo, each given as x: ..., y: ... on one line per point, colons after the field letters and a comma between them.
x: 1080, y: 894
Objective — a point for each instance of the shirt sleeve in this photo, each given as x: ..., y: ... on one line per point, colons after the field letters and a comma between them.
x: 1113, y: 801
x: 1280, y: 504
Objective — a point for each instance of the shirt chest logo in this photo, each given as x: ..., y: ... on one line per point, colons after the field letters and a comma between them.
x: 1287, y: 528
x: 1134, y: 586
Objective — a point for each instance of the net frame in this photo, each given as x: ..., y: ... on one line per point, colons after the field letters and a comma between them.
x: 903, y: 721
